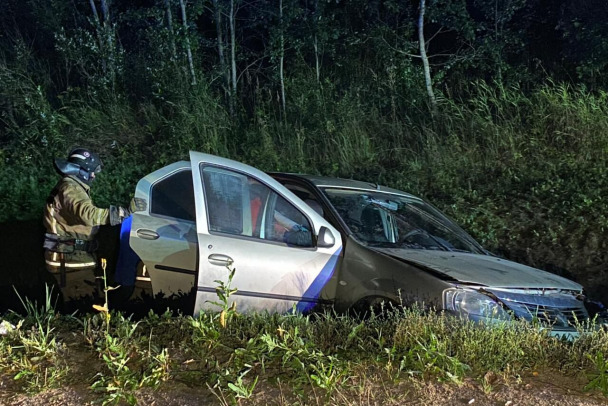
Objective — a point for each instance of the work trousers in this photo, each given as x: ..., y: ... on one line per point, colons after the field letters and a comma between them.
x: 81, y: 271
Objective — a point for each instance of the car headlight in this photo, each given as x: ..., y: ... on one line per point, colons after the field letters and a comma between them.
x: 472, y: 304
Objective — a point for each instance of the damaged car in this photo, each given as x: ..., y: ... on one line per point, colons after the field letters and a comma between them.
x: 302, y: 241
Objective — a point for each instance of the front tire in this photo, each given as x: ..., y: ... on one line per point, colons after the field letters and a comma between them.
x: 373, y: 306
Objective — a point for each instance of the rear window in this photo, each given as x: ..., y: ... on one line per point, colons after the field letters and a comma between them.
x: 174, y: 196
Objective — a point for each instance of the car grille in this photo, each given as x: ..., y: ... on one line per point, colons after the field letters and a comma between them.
x: 560, y: 316
x: 559, y: 309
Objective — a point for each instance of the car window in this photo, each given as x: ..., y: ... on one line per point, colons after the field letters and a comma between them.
x: 173, y: 196
x: 240, y: 205
x: 394, y: 221
x: 307, y: 197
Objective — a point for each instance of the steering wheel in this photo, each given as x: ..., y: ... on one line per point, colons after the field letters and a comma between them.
x: 355, y: 225
x: 412, y: 233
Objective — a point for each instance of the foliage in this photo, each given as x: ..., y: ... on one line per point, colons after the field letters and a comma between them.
x: 599, y: 379
x: 32, y: 353
x: 325, y: 352
x: 128, y: 365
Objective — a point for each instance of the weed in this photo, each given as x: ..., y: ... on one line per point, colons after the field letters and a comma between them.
x: 129, y: 366
x: 599, y: 378
x: 240, y: 388
x: 33, y: 350
x: 432, y: 358
x: 223, y: 291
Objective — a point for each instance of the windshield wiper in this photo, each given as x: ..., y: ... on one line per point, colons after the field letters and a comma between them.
x: 439, y: 243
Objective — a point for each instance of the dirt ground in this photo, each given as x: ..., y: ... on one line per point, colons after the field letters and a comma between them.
x: 543, y: 390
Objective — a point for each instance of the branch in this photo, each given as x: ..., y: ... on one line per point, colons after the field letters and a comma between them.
x: 439, y: 31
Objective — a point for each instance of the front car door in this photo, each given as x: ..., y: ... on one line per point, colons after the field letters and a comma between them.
x: 248, y: 221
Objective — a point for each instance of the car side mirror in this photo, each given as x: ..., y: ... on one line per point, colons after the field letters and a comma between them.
x: 325, y: 239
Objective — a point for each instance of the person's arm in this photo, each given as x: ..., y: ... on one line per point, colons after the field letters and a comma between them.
x: 284, y: 221
x: 80, y: 206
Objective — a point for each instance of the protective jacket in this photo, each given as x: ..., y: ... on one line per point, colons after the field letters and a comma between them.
x: 70, y: 212
x: 72, y: 221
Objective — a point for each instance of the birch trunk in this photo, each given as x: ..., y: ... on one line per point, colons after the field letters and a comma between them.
x: 315, y: 43
x: 182, y: 5
x: 109, y: 40
x: 317, y: 64
x: 282, y: 57
x: 233, y: 50
x: 169, y: 16
x: 220, y: 50
x: 425, y: 59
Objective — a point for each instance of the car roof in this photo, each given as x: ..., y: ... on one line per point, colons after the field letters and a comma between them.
x: 330, y: 182
x: 341, y: 183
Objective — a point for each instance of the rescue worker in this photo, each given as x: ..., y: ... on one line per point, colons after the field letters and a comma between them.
x: 72, y: 221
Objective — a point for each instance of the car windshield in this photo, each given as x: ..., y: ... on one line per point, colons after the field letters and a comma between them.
x: 395, y: 221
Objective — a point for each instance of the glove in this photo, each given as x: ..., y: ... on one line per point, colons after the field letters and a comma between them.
x: 118, y: 215
x: 138, y: 204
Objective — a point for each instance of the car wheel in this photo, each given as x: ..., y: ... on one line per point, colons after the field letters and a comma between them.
x: 373, y: 306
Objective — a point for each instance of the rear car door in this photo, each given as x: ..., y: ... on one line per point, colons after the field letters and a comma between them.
x: 164, y: 235
x: 248, y: 221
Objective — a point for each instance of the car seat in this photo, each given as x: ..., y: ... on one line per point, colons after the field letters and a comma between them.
x: 372, y: 226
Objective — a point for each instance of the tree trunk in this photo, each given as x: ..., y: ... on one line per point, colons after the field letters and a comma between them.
x: 315, y: 42
x: 233, y: 50
x: 425, y: 59
x: 182, y: 5
x: 282, y: 57
x: 317, y: 63
x: 109, y: 40
x: 220, y: 50
x: 170, y: 28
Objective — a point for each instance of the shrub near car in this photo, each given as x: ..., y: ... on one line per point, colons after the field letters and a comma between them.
x: 300, y: 240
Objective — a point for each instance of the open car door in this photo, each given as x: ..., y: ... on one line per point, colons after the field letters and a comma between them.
x: 283, y: 252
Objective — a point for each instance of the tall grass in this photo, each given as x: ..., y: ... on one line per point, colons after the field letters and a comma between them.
x: 317, y: 354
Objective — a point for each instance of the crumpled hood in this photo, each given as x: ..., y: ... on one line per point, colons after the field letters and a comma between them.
x: 482, y: 269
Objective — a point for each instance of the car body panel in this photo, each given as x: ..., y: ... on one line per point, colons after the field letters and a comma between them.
x: 167, y: 246
x: 367, y: 273
x: 484, y: 270
x: 269, y: 275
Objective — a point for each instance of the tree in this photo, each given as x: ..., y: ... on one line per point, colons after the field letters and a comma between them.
x: 425, y: 60
x: 105, y: 34
x: 182, y: 6
x: 225, y: 72
x: 584, y: 29
x: 169, y: 17
x: 496, y: 35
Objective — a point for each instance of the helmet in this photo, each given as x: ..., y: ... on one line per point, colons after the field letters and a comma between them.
x: 81, y: 163
x: 87, y: 160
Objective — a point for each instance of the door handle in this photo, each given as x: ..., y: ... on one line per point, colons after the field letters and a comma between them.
x: 220, y: 259
x: 147, y: 234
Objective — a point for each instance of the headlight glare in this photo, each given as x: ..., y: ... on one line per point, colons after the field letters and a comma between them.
x: 472, y: 304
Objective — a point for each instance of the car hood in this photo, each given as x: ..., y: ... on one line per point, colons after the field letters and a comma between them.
x: 481, y: 269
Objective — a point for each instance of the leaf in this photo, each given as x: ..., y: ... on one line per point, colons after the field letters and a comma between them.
x: 99, y: 308
x: 223, y: 319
